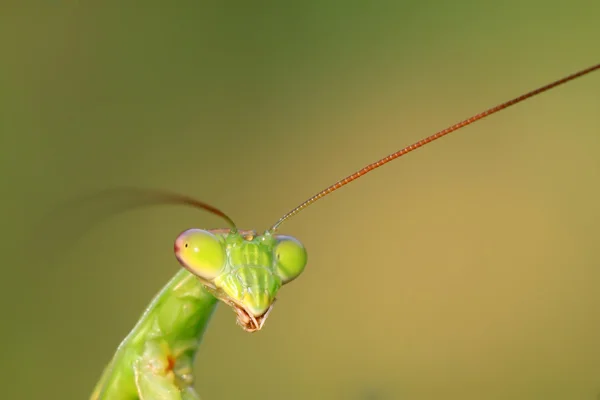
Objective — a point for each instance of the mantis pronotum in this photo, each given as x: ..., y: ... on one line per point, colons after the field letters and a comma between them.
x: 241, y: 268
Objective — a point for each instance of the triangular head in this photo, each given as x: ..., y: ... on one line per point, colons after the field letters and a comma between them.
x: 241, y: 268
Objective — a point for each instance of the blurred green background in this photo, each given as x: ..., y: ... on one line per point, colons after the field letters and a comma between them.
x: 468, y: 270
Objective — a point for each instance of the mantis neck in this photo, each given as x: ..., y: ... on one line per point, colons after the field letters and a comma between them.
x: 178, y: 314
x: 156, y: 358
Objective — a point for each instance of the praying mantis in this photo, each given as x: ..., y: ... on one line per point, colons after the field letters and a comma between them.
x: 240, y: 268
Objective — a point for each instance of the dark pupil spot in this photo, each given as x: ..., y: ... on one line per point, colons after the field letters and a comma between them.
x: 186, y: 245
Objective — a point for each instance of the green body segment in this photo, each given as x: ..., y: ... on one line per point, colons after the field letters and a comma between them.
x: 155, y: 361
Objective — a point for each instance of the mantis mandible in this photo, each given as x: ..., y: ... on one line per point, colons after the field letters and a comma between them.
x: 240, y: 268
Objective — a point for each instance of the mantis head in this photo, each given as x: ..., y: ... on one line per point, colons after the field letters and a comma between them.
x: 242, y: 269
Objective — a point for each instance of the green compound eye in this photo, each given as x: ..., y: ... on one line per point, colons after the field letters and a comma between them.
x: 201, y: 253
x: 290, y: 258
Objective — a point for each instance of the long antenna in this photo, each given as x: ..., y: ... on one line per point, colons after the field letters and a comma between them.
x: 68, y: 222
x: 121, y: 199
x: 423, y: 142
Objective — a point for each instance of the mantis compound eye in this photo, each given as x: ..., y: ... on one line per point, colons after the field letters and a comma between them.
x: 290, y: 258
x: 200, y: 252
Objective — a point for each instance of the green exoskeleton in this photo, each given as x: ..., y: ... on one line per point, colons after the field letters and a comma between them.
x: 242, y: 269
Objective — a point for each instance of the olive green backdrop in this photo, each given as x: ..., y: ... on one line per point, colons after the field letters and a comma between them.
x: 467, y: 270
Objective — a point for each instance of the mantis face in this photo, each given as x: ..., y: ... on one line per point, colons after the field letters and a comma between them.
x: 242, y: 269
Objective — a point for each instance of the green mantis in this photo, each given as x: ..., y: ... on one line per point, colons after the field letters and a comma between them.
x: 240, y: 268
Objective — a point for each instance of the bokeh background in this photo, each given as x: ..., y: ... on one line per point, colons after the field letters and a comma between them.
x: 467, y: 270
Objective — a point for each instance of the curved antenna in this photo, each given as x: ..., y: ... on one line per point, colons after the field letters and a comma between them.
x: 134, y: 198
x: 423, y: 142
x: 67, y: 222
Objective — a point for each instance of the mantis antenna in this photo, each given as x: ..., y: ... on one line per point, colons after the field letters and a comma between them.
x: 127, y: 198
x: 88, y: 210
x: 423, y: 142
